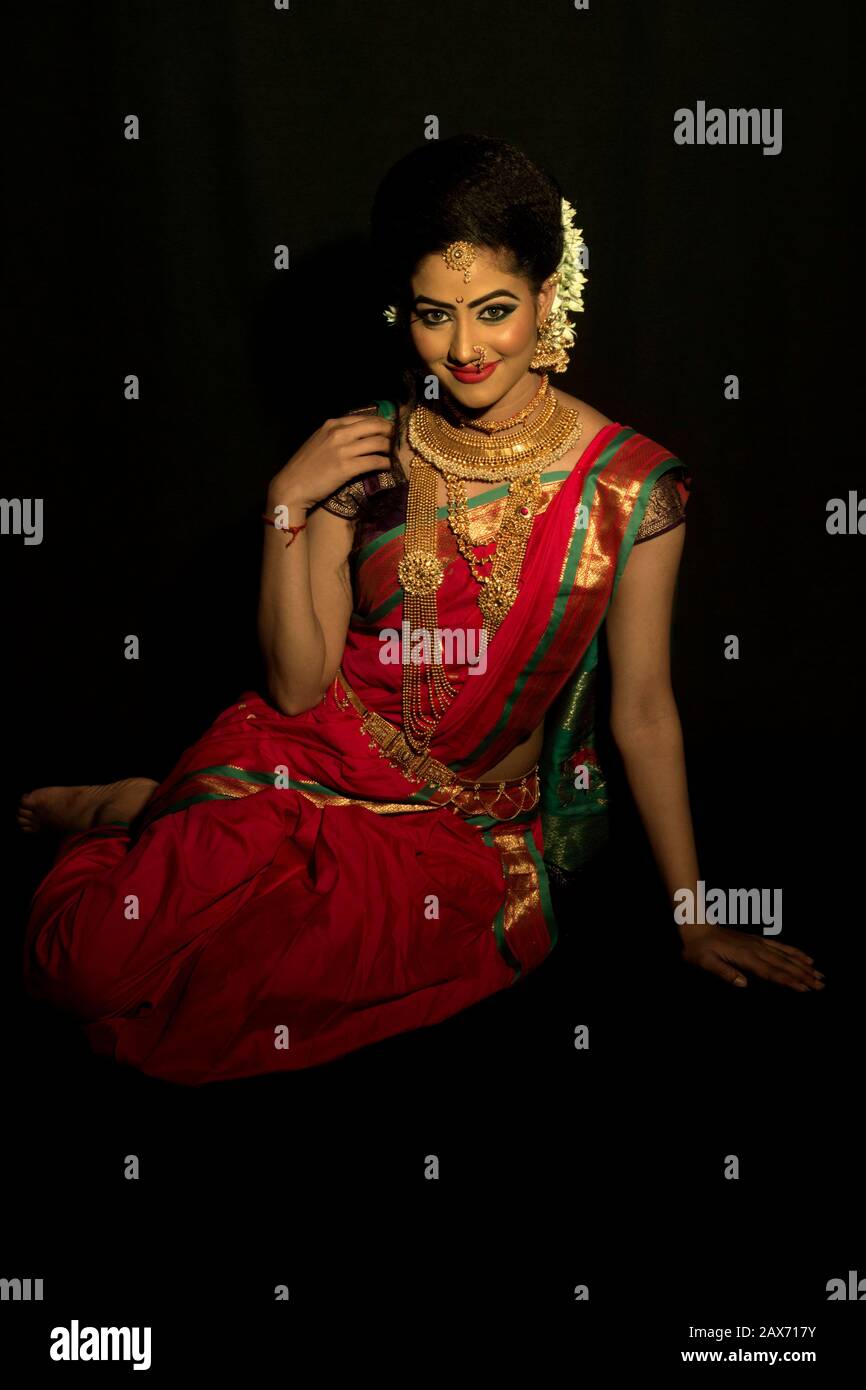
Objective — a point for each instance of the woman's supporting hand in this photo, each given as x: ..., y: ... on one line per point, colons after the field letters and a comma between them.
x: 338, y: 451
x: 727, y: 953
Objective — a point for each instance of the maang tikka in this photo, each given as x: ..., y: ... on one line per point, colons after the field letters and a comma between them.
x: 460, y: 255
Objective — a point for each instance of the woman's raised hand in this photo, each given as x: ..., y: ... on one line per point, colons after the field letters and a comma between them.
x: 727, y: 953
x: 338, y: 451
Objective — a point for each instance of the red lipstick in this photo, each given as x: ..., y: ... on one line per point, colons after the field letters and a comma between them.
x: 471, y: 374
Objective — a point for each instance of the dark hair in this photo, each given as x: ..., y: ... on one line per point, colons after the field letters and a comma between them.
x: 466, y: 188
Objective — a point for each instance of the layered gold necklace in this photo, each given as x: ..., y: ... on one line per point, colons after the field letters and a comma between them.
x: 461, y: 453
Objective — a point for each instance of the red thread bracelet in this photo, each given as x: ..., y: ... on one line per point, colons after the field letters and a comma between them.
x: 294, y: 529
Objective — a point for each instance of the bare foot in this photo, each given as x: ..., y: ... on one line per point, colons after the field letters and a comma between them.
x: 78, y: 808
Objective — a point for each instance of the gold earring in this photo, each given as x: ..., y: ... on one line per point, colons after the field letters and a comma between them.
x: 548, y: 354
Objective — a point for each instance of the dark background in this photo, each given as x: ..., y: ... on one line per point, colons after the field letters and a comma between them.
x: 155, y: 257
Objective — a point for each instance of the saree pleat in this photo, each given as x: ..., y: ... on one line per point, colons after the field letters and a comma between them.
x: 289, y: 894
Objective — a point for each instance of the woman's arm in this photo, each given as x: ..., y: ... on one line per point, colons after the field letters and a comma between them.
x: 644, y: 719
x: 305, y: 603
x: 305, y: 599
x: 646, y: 727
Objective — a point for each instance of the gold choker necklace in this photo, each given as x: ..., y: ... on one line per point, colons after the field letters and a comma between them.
x: 476, y: 458
x: 519, y: 461
x: 494, y: 426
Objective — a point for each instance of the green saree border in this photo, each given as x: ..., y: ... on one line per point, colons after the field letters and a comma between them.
x: 106, y: 830
x: 264, y: 780
x: 240, y: 774
x: 543, y: 888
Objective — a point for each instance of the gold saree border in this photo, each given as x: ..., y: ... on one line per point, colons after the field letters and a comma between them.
x: 525, y: 926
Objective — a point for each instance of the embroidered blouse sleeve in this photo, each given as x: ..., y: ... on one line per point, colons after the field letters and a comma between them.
x: 344, y: 502
x: 665, y: 509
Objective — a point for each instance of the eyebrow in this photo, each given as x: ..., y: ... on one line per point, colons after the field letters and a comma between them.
x: 473, y: 303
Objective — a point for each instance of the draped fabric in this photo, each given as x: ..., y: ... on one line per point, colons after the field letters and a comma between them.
x: 290, y: 894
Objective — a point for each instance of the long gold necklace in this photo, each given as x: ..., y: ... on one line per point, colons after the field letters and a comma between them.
x: 459, y: 454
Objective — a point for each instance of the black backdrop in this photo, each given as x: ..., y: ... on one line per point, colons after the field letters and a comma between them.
x: 155, y: 257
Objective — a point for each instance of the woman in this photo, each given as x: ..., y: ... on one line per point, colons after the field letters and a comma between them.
x: 367, y: 850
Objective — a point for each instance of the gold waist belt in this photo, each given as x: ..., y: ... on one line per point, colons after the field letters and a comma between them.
x: 471, y: 798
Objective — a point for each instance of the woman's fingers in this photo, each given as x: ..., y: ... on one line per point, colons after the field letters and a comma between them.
x: 785, y: 974
x: 792, y: 951
x: 377, y: 444
x: 729, y: 955
x: 348, y: 428
x: 716, y: 964
x: 367, y: 463
x: 771, y: 965
x: 795, y: 962
x: 726, y: 971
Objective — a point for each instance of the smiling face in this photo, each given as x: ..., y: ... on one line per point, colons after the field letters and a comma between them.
x: 451, y: 321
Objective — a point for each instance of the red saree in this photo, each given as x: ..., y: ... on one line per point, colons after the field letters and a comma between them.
x: 289, y: 894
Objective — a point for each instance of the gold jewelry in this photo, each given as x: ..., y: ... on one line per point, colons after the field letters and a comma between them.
x: 493, y: 426
x: 499, y: 585
x: 477, y: 458
x: 465, y: 796
x: 458, y: 520
x: 420, y: 573
x: 480, y: 348
x: 460, y: 255
x: 547, y: 352
x: 519, y: 461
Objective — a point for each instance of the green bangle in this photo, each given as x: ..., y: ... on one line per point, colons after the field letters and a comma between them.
x: 387, y: 409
